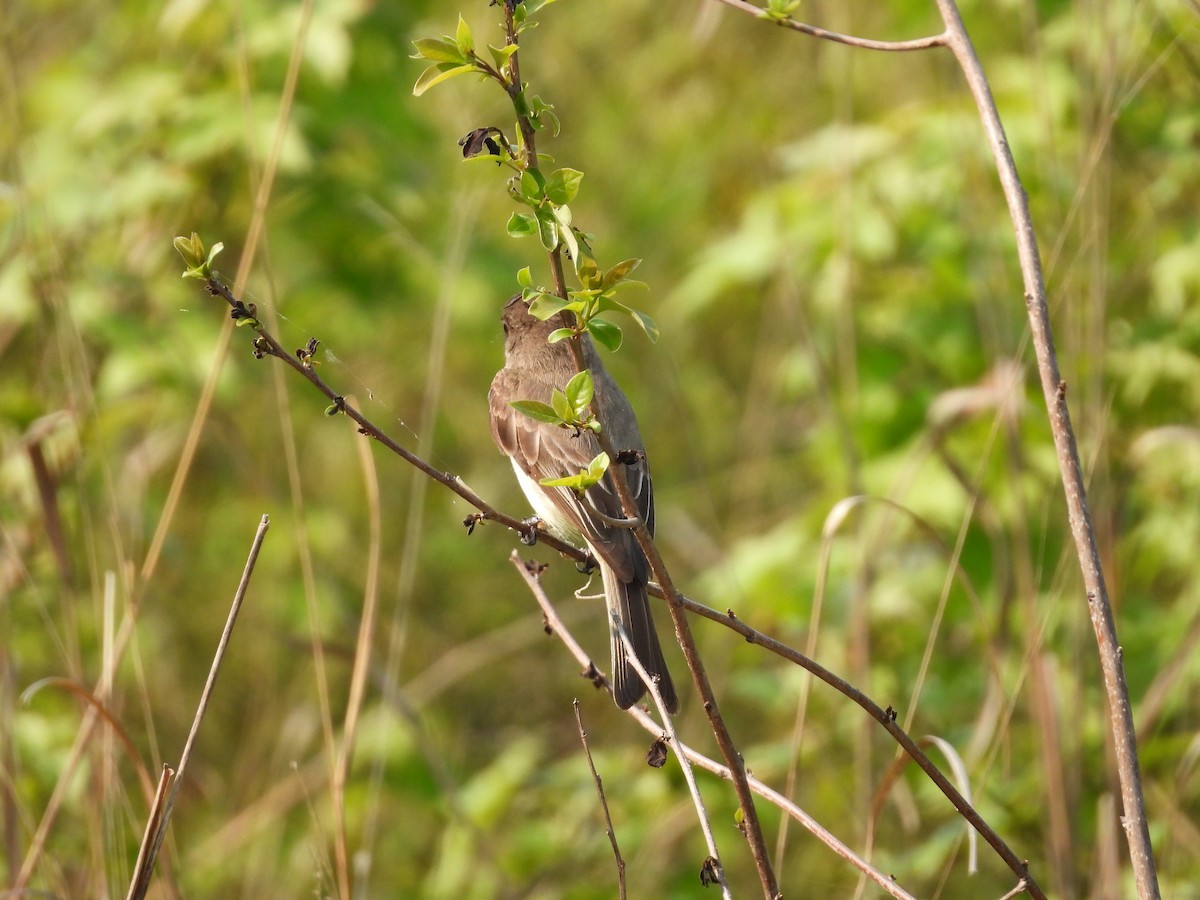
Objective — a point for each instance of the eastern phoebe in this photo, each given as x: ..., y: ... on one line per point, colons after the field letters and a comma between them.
x: 538, y: 450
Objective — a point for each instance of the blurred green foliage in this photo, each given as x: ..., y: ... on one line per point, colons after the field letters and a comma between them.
x: 833, y: 271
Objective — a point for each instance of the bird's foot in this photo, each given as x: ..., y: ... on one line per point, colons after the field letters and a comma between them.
x: 529, y: 530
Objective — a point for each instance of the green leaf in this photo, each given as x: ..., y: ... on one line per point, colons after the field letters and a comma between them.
x: 562, y: 406
x: 532, y: 6
x: 199, y: 262
x: 555, y: 124
x: 579, y: 392
x: 563, y: 185
x: 524, y: 276
x: 520, y: 106
x: 574, y: 482
x: 547, y: 228
x: 562, y: 214
x: 585, y: 479
x: 501, y: 55
x: 647, y: 324
x: 436, y: 74
x: 522, y: 225
x: 540, y: 108
x: 588, y: 271
x: 597, y: 467
x: 606, y: 334
x: 439, y: 50
x: 191, y: 249
x: 559, y: 334
x: 627, y: 283
x: 531, y: 187
x: 463, y: 37
x: 535, y: 410
x: 485, y: 157
x: 545, y: 305
x: 619, y: 272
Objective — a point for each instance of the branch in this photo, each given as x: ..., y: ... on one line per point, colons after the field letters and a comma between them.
x: 937, y: 40
x: 1054, y: 389
x: 885, y: 717
x: 751, y: 827
x: 608, y: 824
x: 161, y: 817
x: 266, y: 344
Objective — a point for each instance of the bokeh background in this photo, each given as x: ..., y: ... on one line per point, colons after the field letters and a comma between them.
x: 833, y: 270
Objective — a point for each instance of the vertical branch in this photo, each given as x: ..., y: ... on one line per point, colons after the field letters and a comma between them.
x: 514, y: 87
x: 751, y: 826
x: 1080, y: 519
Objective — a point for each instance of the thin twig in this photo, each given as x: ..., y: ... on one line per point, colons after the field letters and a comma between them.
x: 608, y: 823
x: 144, y: 866
x: 1054, y: 389
x: 206, y: 694
x: 267, y: 344
x: 1017, y: 890
x: 885, y: 717
x: 752, y: 828
x: 713, y: 864
x: 924, y: 43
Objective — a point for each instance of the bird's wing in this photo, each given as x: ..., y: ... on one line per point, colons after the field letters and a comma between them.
x: 542, y: 450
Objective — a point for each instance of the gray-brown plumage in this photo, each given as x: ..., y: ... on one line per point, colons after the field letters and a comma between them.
x: 538, y: 450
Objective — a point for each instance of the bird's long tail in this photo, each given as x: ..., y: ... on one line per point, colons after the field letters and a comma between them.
x: 629, y: 601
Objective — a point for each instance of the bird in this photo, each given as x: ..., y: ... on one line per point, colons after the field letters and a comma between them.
x: 540, y: 450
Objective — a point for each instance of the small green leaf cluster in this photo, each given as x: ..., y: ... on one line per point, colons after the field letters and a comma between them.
x: 547, y: 197
x: 569, y: 408
x: 450, y: 56
x: 779, y: 10
x: 587, y: 303
x: 199, y: 265
x: 581, y: 481
x: 199, y: 261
